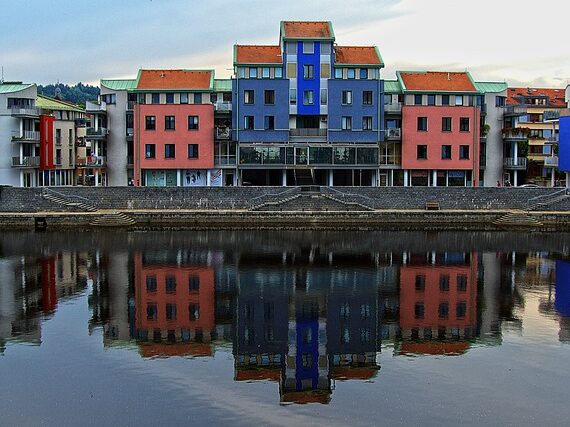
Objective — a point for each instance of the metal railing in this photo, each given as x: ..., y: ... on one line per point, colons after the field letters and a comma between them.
x: 223, y: 106
x: 27, y: 161
x: 393, y: 107
x: 223, y: 133
x: 27, y: 135
x: 24, y: 111
x: 308, y: 132
x: 91, y: 161
x: 97, y: 132
x: 130, y: 105
x: 394, y: 133
x: 516, y: 162
x: 515, y: 134
x: 551, y: 161
x: 225, y: 160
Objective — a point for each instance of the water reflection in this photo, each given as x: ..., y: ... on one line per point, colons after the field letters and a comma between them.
x: 302, y: 318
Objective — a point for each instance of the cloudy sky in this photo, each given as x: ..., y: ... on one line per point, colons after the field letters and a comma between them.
x: 517, y: 41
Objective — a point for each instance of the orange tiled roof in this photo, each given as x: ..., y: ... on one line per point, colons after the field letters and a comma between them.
x: 260, y: 374
x: 435, y: 347
x: 251, y: 54
x: 357, y: 55
x: 309, y: 396
x: 354, y: 373
x: 440, y: 81
x: 174, y: 79
x: 556, y: 96
x: 307, y: 30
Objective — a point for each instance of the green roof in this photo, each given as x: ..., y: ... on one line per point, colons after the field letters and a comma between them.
x: 222, y: 85
x: 48, y: 103
x: 14, y: 87
x: 392, y: 86
x: 120, y: 84
x: 493, y: 87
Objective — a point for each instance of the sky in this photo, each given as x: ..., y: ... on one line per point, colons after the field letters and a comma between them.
x: 517, y: 41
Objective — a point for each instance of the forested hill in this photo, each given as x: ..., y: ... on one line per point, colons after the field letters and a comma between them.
x: 77, y: 94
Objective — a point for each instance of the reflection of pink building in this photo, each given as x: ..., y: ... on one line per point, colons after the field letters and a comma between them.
x: 174, y: 128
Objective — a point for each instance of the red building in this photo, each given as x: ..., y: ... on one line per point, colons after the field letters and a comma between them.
x: 174, y: 129
x: 441, y: 117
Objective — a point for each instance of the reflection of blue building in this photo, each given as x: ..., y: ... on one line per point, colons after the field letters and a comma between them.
x: 564, y: 147
x: 562, y: 301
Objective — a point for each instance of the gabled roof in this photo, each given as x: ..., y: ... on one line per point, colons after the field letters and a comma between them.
x: 392, y: 86
x: 120, y: 84
x: 48, y: 103
x: 9, y: 87
x: 358, y: 55
x: 252, y: 54
x: 436, y: 81
x: 516, y: 96
x: 167, y: 80
x: 309, y: 30
x: 491, y: 87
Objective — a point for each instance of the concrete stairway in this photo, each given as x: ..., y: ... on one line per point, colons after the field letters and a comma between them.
x: 113, y: 219
x: 517, y: 218
x: 54, y: 197
x: 311, y: 202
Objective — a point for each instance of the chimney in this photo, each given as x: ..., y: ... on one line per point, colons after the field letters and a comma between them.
x: 448, y: 76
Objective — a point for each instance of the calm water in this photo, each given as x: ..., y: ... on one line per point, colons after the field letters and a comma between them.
x: 284, y: 328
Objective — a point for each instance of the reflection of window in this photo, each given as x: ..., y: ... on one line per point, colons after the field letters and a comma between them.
x: 269, y: 334
x: 248, y: 311
x: 419, y: 311
x: 345, y: 335
x: 364, y: 335
x: 170, y: 311
x: 461, y: 309
x: 151, y: 312
x: 269, y: 310
x: 365, y: 311
x: 461, y: 282
x: 170, y: 284
x: 307, y: 335
x: 444, y: 282
x: 249, y: 336
x: 194, y: 311
x: 151, y: 283
x: 344, y: 310
x: 443, y: 310
x: 420, y: 282
x: 193, y: 284
x: 307, y: 360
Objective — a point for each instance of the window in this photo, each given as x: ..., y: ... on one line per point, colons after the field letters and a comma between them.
x: 444, y: 282
x: 458, y: 99
x: 461, y: 309
x: 293, y: 96
x: 291, y: 48
x: 151, y: 312
x: 443, y: 310
x: 307, y: 360
x: 170, y: 311
x: 156, y: 98
x: 269, y: 122
x: 308, y: 47
x: 420, y: 283
x: 193, y: 284
x: 184, y: 98
x: 366, y: 123
x: 444, y: 99
x: 419, y: 311
x: 446, y: 152
x: 324, y: 96
x: 169, y: 151
x: 325, y: 71
x: 194, y: 311
x: 500, y: 101
x: 248, y: 122
x: 338, y: 73
x: 422, y: 124
x: 464, y: 152
x: 464, y: 124
x: 150, y: 151
x: 461, y: 283
x: 351, y: 73
x: 346, y: 97
x: 291, y: 70
x: 248, y: 96
x: 197, y: 98
x: 367, y: 97
x: 169, y: 122
x: 431, y: 99
x: 364, y: 73
x: 170, y: 98
x: 446, y: 124
x: 417, y: 99
x: 192, y: 151
x: 151, y: 283
x: 252, y: 73
x: 422, y: 152
x: 193, y: 122
x: 308, y: 97
x: 308, y: 72
x: 269, y: 97
x: 279, y: 73
x: 265, y: 72
x: 142, y: 98
x: 346, y: 122
x: 150, y: 122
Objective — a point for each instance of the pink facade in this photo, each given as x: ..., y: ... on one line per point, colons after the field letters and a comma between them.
x: 181, y: 137
x: 434, y: 138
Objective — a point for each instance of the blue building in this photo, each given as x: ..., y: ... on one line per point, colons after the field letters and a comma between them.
x: 564, y: 146
x: 307, y: 111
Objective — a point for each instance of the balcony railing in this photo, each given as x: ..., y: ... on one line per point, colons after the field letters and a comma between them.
x: 26, y: 162
x: 551, y: 161
x: 390, y: 159
x: 552, y: 139
x: 223, y: 133
x: 515, y: 163
x: 130, y: 160
x: 100, y: 132
x: 515, y: 133
x: 393, y: 107
x: 91, y: 161
x: 513, y: 110
x: 308, y: 132
x: 81, y: 122
x: 224, y: 160
x: 394, y: 133
x: 223, y: 106
x: 25, y: 111
x: 27, y: 135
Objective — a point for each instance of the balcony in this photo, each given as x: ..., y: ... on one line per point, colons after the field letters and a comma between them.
x: 224, y: 160
x: 515, y: 134
x: 551, y: 139
x: 393, y: 134
x: 551, y: 161
x: 515, y: 163
x: 91, y: 161
x: 224, y: 106
x: 81, y: 122
x: 130, y: 160
x: 30, y: 112
x: 393, y: 108
x: 99, y: 133
x: 27, y: 135
x: 130, y: 105
x: 223, y: 133
x: 514, y: 110
x: 390, y: 159
x: 308, y: 134
x: 25, y: 162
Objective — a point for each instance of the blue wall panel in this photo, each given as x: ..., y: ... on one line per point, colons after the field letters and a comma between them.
x: 313, y: 84
x: 564, y: 144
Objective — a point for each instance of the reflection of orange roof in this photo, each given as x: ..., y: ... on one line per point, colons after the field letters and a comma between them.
x: 435, y: 347
x: 354, y: 373
x: 174, y: 79
x: 251, y: 54
x: 307, y: 30
x: 556, y: 96
x: 260, y: 374
x: 309, y: 396
x: 356, y: 55
x: 438, y: 81
x: 175, y: 349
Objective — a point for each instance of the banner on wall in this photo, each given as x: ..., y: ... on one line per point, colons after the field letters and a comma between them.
x: 155, y: 178
x: 216, y: 178
x: 194, y: 178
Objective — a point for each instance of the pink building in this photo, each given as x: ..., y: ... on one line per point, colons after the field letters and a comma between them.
x: 441, y: 118
x: 174, y: 129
